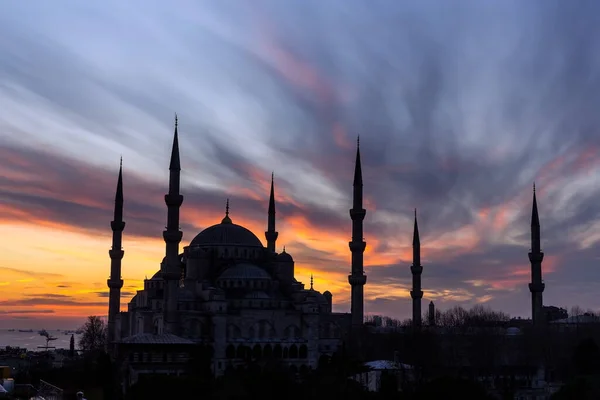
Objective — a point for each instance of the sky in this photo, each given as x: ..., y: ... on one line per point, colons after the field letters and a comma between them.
x: 460, y: 107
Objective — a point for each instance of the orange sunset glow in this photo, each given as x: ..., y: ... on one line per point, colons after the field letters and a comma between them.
x: 257, y: 93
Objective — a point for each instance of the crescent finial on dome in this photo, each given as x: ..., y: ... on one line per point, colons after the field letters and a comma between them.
x: 226, y: 219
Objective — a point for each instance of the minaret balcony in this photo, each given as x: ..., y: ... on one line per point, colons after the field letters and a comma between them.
x: 357, y: 279
x: 173, y: 200
x: 357, y: 214
x: 537, y: 287
x: 117, y: 226
x: 172, y: 236
x: 357, y: 246
x: 536, y: 257
x: 114, y: 283
x: 116, y: 254
x: 271, y: 235
x: 416, y: 294
x: 416, y: 270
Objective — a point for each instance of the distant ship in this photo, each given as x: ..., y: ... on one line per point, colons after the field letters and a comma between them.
x: 25, y: 330
x: 11, y: 330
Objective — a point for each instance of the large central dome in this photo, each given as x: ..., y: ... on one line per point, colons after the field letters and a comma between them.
x: 226, y: 233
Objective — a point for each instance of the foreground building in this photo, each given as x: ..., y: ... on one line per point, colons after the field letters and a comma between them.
x: 228, y: 293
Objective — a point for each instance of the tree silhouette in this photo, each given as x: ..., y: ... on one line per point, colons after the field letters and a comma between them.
x: 586, y: 357
x: 94, y: 334
x: 72, y: 346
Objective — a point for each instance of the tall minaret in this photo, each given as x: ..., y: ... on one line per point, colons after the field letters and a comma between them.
x: 115, y: 283
x: 271, y: 234
x: 171, y: 268
x: 536, y: 287
x: 416, y: 269
x: 357, y: 278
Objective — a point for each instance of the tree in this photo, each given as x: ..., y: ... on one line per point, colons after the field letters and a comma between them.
x: 94, y: 334
x: 72, y: 347
x: 586, y: 356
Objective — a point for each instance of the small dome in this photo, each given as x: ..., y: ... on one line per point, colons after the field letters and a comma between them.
x: 244, y: 271
x: 313, y: 295
x: 284, y: 257
x: 327, y: 293
x: 226, y: 233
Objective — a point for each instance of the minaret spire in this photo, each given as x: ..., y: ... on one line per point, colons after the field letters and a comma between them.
x: 536, y: 256
x: 357, y: 277
x: 171, y: 267
x: 114, y: 282
x: 416, y: 269
x: 271, y: 234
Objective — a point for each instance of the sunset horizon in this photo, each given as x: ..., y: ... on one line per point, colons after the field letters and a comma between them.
x: 256, y: 95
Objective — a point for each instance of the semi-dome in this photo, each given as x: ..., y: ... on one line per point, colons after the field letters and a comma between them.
x: 244, y: 271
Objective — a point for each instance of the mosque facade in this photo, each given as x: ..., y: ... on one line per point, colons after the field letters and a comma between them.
x: 228, y: 293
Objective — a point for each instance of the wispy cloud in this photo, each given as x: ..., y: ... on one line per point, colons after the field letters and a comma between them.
x: 460, y: 108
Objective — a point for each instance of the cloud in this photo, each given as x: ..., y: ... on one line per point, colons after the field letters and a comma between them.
x: 19, y: 312
x: 25, y: 272
x: 459, y: 110
x: 50, y: 299
x: 123, y: 293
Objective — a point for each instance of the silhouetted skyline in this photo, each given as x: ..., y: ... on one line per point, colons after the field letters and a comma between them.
x: 459, y: 109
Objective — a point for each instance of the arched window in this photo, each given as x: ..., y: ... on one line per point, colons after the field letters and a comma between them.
x: 230, y: 352
x: 257, y: 352
x: 268, y: 351
x: 241, y: 351
x: 277, y: 352
x: 293, y: 351
x: 303, y: 352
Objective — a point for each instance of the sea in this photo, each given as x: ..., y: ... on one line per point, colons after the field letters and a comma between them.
x: 31, y: 340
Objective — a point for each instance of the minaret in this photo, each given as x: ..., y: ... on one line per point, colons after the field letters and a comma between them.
x: 171, y: 268
x: 416, y: 269
x: 115, y: 283
x: 536, y: 287
x: 271, y: 234
x: 357, y: 277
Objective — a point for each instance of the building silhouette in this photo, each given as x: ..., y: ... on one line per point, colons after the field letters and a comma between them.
x: 228, y: 293
x: 239, y: 299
